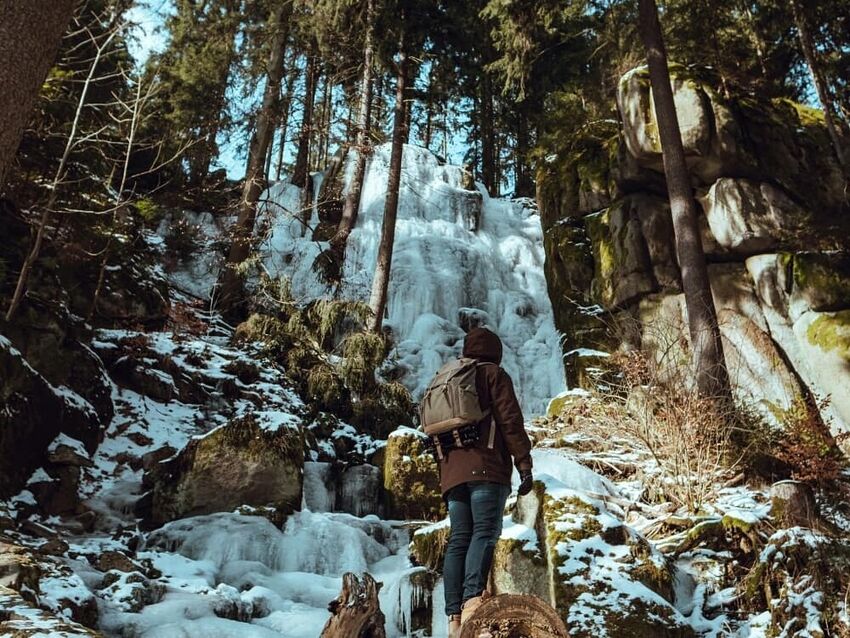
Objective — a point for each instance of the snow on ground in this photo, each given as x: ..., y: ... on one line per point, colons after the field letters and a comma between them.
x: 458, y: 254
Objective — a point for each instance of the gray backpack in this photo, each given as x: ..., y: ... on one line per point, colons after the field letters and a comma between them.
x: 451, y: 402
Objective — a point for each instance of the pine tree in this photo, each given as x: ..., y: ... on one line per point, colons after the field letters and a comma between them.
x: 711, y: 375
x: 352, y: 199
x: 195, y: 70
x: 231, y: 293
x: 381, y: 280
x: 807, y: 46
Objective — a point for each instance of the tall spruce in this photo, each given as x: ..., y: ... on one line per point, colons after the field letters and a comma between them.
x: 381, y: 279
x: 710, y: 369
x: 300, y: 171
x: 195, y: 70
x: 231, y: 293
x: 807, y: 46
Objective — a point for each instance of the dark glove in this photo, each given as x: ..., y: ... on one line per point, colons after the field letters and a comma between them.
x: 526, y: 482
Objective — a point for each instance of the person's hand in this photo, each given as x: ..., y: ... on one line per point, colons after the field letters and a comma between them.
x: 526, y: 482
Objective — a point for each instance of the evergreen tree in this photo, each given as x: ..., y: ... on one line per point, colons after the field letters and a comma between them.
x: 195, y: 70
x: 231, y: 293
x: 711, y: 376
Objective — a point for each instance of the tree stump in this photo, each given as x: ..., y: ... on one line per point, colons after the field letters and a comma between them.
x: 514, y: 616
x: 356, y: 612
x: 792, y: 504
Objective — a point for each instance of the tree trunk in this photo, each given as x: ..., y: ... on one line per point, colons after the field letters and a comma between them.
x: 818, y: 80
x: 284, y: 115
x: 515, y: 615
x: 362, y: 146
x: 329, y: 117
x: 524, y: 186
x: 299, y: 172
x: 30, y: 34
x: 356, y: 612
x: 488, y: 158
x: 231, y: 292
x: 381, y: 280
x: 429, y: 109
x: 711, y: 375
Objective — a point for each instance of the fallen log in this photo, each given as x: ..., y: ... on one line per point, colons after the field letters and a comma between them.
x: 514, y: 616
x: 356, y: 612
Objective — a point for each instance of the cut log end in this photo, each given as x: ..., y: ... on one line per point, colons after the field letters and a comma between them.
x: 793, y: 505
x: 514, y: 616
x: 356, y: 612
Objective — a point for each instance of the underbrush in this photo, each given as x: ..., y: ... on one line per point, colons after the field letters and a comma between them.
x: 698, y: 444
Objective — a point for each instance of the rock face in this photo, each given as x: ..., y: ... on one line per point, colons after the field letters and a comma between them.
x: 776, y: 235
x: 238, y: 464
x: 36, y: 413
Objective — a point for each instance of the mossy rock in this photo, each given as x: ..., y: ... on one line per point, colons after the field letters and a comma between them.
x: 819, y: 281
x: 831, y: 333
x: 588, y: 552
x: 428, y: 545
x: 411, y: 478
x: 622, y: 264
x: 519, y: 568
x: 241, y: 463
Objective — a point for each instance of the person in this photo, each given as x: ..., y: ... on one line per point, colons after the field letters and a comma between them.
x: 476, y: 481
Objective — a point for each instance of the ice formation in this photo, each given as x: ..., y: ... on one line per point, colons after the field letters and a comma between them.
x: 459, y: 256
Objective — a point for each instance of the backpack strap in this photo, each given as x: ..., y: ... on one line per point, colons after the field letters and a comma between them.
x: 491, y: 439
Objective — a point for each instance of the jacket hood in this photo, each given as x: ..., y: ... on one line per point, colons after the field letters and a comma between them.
x: 483, y: 344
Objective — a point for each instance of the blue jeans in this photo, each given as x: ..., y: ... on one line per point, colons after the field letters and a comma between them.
x: 475, y: 513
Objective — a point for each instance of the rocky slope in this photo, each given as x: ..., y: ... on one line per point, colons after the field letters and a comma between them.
x: 164, y: 475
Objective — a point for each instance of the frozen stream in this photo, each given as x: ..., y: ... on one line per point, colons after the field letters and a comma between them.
x: 234, y: 575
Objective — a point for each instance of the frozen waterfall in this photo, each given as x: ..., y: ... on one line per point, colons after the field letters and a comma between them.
x: 460, y: 257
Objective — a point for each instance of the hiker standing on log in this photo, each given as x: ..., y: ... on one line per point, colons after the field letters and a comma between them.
x: 472, y: 415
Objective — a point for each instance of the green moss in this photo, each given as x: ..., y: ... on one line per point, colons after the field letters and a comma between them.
x: 831, y: 333
x: 428, y: 548
x: 254, y: 442
x: 806, y: 115
x: 412, y: 480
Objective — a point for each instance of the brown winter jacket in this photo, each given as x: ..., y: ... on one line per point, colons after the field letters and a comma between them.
x: 496, y: 393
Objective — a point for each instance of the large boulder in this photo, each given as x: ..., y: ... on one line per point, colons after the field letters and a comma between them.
x: 254, y: 460
x: 35, y: 413
x: 640, y: 124
x: 606, y: 578
x: 824, y: 338
x: 748, y: 217
x: 622, y: 272
x: 759, y: 371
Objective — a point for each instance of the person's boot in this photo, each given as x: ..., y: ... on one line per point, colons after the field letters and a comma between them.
x: 471, y: 605
x: 454, y: 626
